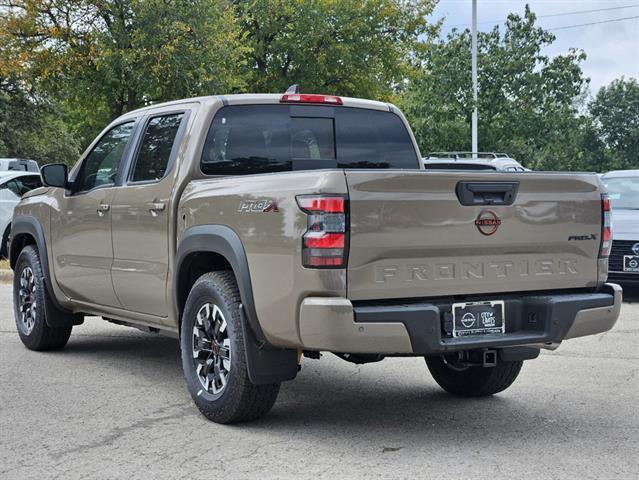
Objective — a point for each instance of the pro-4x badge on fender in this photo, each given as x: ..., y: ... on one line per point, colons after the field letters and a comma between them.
x: 487, y: 222
x: 258, y: 206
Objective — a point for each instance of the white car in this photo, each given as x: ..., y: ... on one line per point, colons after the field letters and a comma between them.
x: 12, y: 186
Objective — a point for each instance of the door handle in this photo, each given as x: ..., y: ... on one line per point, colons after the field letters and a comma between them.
x: 103, y: 208
x: 157, y: 207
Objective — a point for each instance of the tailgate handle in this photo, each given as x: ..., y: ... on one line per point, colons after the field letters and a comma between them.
x: 486, y: 193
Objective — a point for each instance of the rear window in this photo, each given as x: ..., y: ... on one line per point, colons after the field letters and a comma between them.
x: 248, y: 139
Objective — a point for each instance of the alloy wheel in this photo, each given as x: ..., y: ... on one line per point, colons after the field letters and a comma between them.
x: 211, y: 349
x: 27, y: 300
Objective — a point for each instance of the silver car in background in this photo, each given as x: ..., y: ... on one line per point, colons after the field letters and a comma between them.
x: 475, y: 161
x: 623, y: 189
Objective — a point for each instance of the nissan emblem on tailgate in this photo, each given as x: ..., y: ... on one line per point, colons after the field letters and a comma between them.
x: 487, y: 222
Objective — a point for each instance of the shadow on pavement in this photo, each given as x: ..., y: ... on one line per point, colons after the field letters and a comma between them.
x: 335, y: 397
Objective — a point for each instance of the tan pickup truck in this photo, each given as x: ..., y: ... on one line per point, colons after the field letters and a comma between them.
x: 260, y: 228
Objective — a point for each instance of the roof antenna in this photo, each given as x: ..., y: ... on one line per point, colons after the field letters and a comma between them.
x: 295, y: 88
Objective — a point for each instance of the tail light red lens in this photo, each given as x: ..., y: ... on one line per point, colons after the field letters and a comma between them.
x: 606, y: 227
x: 324, y: 243
x: 310, y: 98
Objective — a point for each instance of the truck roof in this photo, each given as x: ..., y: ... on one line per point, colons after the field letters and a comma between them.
x: 265, y: 98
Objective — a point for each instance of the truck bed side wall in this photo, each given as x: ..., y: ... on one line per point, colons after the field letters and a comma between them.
x: 272, y: 239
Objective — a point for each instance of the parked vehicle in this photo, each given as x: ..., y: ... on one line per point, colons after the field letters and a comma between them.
x: 623, y: 189
x: 481, y: 161
x: 18, y: 165
x: 12, y: 186
x: 260, y: 228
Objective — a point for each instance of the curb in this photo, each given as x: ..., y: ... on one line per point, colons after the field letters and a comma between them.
x: 6, y: 276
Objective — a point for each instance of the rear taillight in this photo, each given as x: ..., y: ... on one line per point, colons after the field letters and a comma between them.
x: 606, y: 227
x: 310, y: 98
x: 324, y: 243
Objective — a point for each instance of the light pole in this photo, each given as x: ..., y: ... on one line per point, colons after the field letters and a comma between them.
x: 473, y: 48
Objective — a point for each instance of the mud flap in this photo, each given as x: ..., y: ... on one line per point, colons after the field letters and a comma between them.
x: 267, y: 364
x: 58, y: 318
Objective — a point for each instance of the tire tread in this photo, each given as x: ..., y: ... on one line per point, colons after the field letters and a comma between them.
x: 42, y: 337
x: 248, y: 401
x: 475, y: 381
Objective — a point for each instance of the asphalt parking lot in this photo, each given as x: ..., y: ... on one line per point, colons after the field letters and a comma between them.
x: 113, y: 405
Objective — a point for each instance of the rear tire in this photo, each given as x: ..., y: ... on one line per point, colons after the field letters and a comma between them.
x: 214, y: 357
x: 31, y: 301
x: 473, y: 381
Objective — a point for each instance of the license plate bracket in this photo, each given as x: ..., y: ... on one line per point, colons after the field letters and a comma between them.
x: 478, y: 318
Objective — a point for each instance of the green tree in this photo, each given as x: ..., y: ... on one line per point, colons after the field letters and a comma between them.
x: 345, y: 47
x: 615, y: 123
x: 31, y: 127
x: 101, y: 58
x: 528, y: 102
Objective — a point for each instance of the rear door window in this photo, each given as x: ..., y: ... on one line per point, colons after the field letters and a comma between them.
x: 248, y: 139
x: 155, y: 150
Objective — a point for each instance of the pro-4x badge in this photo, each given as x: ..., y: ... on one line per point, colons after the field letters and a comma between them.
x: 258, y: 206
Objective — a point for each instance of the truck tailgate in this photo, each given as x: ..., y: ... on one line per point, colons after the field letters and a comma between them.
x: 410, y: 235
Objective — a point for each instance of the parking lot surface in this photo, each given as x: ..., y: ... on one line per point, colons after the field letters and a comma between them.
x: 113, y: 405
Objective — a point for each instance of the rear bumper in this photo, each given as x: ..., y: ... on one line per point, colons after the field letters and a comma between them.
x: 335, y: 324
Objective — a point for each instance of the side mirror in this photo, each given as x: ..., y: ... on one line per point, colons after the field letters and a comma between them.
x: 55, y: 175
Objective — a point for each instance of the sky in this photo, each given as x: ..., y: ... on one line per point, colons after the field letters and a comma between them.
x: 612, y: 48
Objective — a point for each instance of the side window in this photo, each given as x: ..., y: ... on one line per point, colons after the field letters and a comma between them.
x: 13, y: 187
x: 155, y: 150
x: 101, y: 165
x: 312, y: 138
x: 30, y: 182
x: 246, y: 139
x: 22, y: 185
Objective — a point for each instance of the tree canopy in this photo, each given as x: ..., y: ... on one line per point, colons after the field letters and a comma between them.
x: 527, y: 102
x: 345, y: 47
x: 101, y: 58
x: 615, y: 116
x: 68, y: 67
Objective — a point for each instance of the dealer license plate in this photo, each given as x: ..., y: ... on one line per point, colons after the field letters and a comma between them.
x: 478, y: 318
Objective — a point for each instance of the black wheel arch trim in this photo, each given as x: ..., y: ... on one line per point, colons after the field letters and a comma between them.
x: 223, y: 241
x: 28, y: 225
x: 266, y: 363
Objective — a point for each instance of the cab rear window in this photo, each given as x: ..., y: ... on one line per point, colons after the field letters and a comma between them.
x: 249, y: 139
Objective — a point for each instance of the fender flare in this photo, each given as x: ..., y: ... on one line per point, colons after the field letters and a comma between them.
x: 28, y: 225
x: 266, y: 363
x: 223, y: 241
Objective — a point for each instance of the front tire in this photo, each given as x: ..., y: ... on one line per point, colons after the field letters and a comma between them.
x: 31, y: 301
x: 4, y: 244
x: 213, y: 354
x: 473, y: 381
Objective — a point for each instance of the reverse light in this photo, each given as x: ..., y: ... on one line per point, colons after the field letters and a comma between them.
x: 324, y: 243
x: 606, y: 227
x: 310, y: 98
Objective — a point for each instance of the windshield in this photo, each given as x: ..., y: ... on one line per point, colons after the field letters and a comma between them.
x: 623, y: 192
